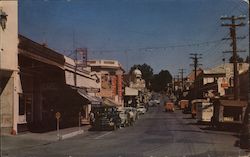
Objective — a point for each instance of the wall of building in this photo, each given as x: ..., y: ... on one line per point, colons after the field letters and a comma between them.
x: 9, y: 69
x: 9, y: 36
x: 110, y: 73
x: 7, y: 104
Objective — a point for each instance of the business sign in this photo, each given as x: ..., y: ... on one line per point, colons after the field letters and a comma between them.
x: 224, y: 85
x: 58, y: 115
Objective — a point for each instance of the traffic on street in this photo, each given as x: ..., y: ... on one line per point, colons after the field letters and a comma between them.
x: 155, y: 134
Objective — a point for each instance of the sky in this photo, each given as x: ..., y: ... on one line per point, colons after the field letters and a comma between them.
x: 160, y: 33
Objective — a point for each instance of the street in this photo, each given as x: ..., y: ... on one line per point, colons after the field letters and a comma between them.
x: 155, y: 134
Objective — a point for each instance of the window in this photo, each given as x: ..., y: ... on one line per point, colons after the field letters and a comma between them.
x: 21, y: 105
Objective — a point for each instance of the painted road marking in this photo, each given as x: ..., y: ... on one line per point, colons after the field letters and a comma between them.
x: 99, y: 137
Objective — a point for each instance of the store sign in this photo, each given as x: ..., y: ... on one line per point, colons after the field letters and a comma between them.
x: 224, y: 85
x: 58, y: 115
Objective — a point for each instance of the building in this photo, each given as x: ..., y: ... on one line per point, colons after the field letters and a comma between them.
x: 136, y: 80
x: 219, y: 79
x: 191, y: 78
x: 110, y: 73
x: 9, y: 72
x: 244, y: 82
x: 51, y: 83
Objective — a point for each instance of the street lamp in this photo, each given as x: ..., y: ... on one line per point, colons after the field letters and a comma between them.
x: 3, y: 19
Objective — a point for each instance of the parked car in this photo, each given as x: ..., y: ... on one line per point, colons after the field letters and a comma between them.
x: 105, y: 118
x: 133, y: 115
x: 157, y: 101
x: 141, y: 110
x: 124, y: 115
x: 152, y: 103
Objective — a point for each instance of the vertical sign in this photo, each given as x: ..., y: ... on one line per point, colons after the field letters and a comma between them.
x: 58, y: 116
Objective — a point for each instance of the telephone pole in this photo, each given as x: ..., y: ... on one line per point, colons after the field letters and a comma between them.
x: 182, y: 71
x: 232, y: 26
x: 80, y: 58
x: 195, y: 57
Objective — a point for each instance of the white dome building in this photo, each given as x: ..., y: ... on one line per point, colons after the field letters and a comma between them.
x: 137, y: 82
x: 137, y: 73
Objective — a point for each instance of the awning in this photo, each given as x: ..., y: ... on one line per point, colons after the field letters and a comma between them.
x: 93, y: 100
x: 110, y: 102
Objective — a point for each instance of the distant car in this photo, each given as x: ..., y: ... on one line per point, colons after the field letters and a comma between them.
x: 151, y: 103
x: 157, y: 101
x: 141, y: 110
x: 169, y: 106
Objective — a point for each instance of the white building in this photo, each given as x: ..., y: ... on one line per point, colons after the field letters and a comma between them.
x: 9, y: 77
x: 137, y: 82
x: 220, y: 77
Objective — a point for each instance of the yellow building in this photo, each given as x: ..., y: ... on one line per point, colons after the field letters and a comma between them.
x: 9, y: 73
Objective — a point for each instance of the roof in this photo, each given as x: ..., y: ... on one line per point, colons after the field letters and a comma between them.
x: 39, y: 52
x: 191, y: 75
x: 108, y: 64
x: 223, y: 68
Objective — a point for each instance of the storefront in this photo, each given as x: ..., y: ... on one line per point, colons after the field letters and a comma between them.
x: 49, y: 88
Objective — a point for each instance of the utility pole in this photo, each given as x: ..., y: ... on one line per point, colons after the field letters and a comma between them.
x: 81, y: 56
x: 232, y: 26
x: 195, y: 57
x: 182, y: 71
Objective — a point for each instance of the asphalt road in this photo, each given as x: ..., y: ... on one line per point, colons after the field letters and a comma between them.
x: 155, y: 134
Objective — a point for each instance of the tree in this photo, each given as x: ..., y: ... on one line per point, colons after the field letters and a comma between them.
x: 238, y: 58
x: 161, y: 80
x: 147, y: 72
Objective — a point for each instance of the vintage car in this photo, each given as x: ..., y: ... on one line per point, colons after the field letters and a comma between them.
x: 141, y: 110
x: 105, y: 118
x: 133, y: 114
x: 124, y: 115
x: 194, y: 104
x: 169, y: 106
x: 228, y: 113
x: 183, y: 104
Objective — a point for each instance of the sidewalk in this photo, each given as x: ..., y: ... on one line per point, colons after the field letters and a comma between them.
x: 28, y: 139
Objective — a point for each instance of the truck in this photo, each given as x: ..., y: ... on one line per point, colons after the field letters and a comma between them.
x: 183, y: 104
x: 194, y: 106
x: 204, y: 111
x: 169, y: 106
x: 228, y: 113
